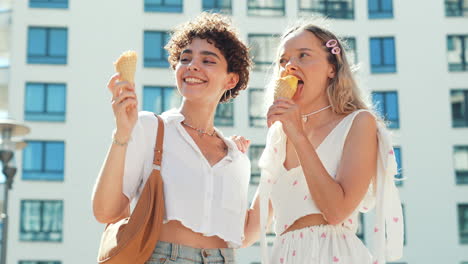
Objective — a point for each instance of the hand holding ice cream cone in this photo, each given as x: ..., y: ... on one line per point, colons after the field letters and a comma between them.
x: 124, y: 100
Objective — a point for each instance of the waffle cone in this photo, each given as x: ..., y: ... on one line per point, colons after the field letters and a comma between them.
x: 286, y: 87
x: 125, y: 65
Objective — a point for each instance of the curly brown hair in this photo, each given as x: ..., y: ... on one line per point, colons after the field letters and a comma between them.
x: 216, y: 29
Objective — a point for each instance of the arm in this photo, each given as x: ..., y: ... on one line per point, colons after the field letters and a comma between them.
x: 336, y: 198
x: 252, y: 221
x: 109, y: 202
x: 252, y: 218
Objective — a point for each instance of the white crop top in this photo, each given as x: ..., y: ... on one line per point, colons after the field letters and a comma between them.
x: 211, y: 200
x: 284, y: 188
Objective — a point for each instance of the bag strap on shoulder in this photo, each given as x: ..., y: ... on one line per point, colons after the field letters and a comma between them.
x: 158, y: 149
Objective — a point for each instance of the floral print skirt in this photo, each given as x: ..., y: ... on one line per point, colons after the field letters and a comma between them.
x: 324, y: 244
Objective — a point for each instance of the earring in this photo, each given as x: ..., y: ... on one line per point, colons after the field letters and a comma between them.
x: 225, y: 96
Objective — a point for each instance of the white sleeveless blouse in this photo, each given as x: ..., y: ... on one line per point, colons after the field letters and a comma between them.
x: 285, y: 188
x: 291, y: 186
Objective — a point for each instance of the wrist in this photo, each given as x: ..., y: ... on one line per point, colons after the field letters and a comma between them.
x: 299, y: 139
x: 120, y: 139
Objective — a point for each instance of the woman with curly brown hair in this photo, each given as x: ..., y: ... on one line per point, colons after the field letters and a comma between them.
x: 205, y: 175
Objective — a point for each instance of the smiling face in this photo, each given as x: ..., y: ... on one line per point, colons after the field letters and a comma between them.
x: 201, y: 72
x: 303, y: 55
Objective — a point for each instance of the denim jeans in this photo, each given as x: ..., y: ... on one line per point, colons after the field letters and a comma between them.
x: 170, y: 253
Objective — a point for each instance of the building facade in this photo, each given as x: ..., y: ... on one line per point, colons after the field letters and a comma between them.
x: 413, y: 58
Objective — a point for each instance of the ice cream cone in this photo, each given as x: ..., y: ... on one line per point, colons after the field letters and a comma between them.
x: 286, y: 87
x: 126, y: 66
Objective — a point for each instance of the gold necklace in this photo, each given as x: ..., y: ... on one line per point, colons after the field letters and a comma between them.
x: 199, y: 130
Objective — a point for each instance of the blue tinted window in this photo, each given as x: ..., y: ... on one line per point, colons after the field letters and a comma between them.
x: 457, y: 53
x: 382, y: 55
x: 45, y: 102
x: 256, y: 110
x: 263, y: 47
x: 154, y: 53
x: 456, y: 8
x: 460, y: 159
x: 159, y: 99
x: 397, y: 151
x: 266, y: 8
x: 170, y: 6
x: 48, y: 3
x: 41, y: 220
x: 255, y: 151
x: 380, y: 8
x: 459, y: 101
x: 47, y: 45
x: 386, y: 104
x: 391, y: 104
x: 224, y: 114
x: 340, y: 9
x: 463, y: 223
x: 44, y: 160
x: 220, y: 6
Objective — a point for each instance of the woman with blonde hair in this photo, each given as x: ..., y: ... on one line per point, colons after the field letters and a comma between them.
x: 327, y: 158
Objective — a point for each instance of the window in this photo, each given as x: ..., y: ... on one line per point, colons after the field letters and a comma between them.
x: 459, y: 100
x: 159, y: 99
x: 351, y: 50
x: 256, y: 112
x: 380, y: 8
x: 460, y: 159
x: 341, y: 9
x: 41, y: 220
x: 456, y: 8
x: 263, y: 50
x: 38, y: 262
x: 44, y: 160
x: 47, y: 45
x: 463, y: 223
x: 382, y: 54
x: 48, y: 3
x: 255, y: 151
x: 386, y: 104
x: 457, y: 52
x: 219, y: 6
x: 154, y: 53
x: 224, y: 115
x: 397, y: 152
x: 169, y: 6
x: 45, y: 102
x: 266, y: 7
x: 360, y: 228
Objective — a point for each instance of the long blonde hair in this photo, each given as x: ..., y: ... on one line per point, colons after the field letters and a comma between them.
x: 343, y: 92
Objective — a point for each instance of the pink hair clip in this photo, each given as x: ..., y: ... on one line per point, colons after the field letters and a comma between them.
x: 333, y: 43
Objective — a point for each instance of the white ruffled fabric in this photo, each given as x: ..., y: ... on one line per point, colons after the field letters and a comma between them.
x: 322, y: 244
x: 388, y: 231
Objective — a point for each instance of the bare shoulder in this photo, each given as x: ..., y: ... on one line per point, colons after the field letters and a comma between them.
x: 364, y: 122
x: 363, y: 130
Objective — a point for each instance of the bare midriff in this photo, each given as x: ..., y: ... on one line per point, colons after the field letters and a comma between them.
x: 306, y: 221
x: 175, y: 232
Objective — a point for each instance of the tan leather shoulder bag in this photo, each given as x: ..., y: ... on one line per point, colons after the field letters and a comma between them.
x: 133, y: 239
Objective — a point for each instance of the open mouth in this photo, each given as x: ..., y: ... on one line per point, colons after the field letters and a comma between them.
x: 193, y: 80
x: 300, y: 86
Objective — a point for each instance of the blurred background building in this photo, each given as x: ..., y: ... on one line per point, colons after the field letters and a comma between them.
x: 56, y: 57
